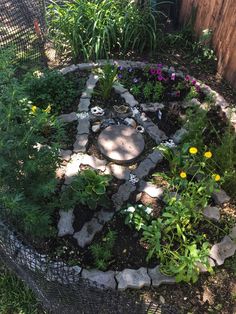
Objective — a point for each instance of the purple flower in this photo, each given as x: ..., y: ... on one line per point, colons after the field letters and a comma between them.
x: 120, y: 68
x: 160, y: 65
x: 160, y: 77
x: 152, y: 71
x: 187, y: 78
x: 197, y: 87
x: 135, y: 80
x: 130, y: 70
x: 158, y: 71
x: 172, y: 77
x: 194, y: 82
x: 177, y: 93
x: 119, y: 76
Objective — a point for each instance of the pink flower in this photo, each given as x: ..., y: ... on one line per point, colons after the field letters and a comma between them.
x: 187, y: 78
x: 160, y: 77
x: 160, y: 65
x: 177, y: 93
x: 172, y: 76
x: 197, y: 87
x: 152, y: 71
x: 158, y: 71
x: 194, y: 82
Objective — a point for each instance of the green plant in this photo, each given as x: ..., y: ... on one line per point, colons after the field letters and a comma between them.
x: 27, y: 192
x: 107, y: 78
x: 94, y: 29
x: 136, y: 90
x: 192, y: 93
x: 102, y: 253
x: 137, y: 215
x: 50, y: 88
x: 87, y: 188
x: 147, y: 90
x: 158, y: 91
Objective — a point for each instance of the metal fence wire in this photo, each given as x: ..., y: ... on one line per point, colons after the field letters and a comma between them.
x: 23, y: 27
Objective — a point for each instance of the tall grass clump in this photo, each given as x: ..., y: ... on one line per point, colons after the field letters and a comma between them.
x: 94, y: 29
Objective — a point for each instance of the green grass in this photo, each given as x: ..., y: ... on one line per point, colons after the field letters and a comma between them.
x: 15, y: 297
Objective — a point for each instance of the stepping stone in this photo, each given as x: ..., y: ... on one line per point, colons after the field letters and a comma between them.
x: 220, y: 251
x: 220, y: 197
x: 83, y: 126
x: 158, y: 278
x: 120, y: 172
x: 65, y: 154
x: 94, y: 162
x: 151, y: 189
x: 69, y: 117
x: 81, y: 143
x: 212, y: 213
x: 132, y: 278
x: 105, y: 279
x: 144, y: 168
x: 120, y: 143
x: 65, y: 224
x: 87, y: 233
x: 84, y: 105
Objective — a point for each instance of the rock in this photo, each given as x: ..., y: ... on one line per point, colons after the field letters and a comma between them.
x: 131, y: 278
x: 86, y: 66
x: 92, y: 81
x: 144, y: 168
x: 100, y: 278
x: 129, y: 99
x: 130, y: 122
x: 120, y: 172
x: 179, y: 135
x: 151, y: 189
x: 83, y: 126
x: 155, y: 157
x: 212, y: 213
x: 73, y: 167
x: 65, y: 154
x: 94, y: 162
x: 119, y: 89
x: 220, y: 251
x: 157, y: 278
x: 84, y: 105
x: 69, y: 69
x: 191, y: 103
x: 65, y: 224
x: 220, y: 197
x: 152, y: 107
x: 96, y: 128
x: 162, y: 299
x: 80, y: 143
x: 120, y: 143
x: 156, y: 134
x: 87, y: 233
x: 69, y: 117
x: 123, y: 194
x: 233, y: 233
x: 104, y: 216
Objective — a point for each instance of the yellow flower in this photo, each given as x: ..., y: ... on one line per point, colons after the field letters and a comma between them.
x: 193, y: 150
x: 183, y: 175
x: 216, y: 177
x: 48, y: 109
x: 208, y: 154
x: 33, y: 109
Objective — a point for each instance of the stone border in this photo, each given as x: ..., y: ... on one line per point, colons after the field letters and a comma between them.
x: 128, y: 278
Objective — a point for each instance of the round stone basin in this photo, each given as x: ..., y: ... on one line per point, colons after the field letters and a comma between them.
x: 120, y: 143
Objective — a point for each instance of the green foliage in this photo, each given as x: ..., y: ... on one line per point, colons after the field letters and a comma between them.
x: 158, y: 91
x: 136, y: 90
x: 27, y: 169
x: 50, y: 88
x: 15, y: 297
x: 88, y: 188
x: 102, y: 253
x: 192, y: 94
x: 137, y: 215
x: 147, y: 90
x: 94, y: 29
x: 107, y: 78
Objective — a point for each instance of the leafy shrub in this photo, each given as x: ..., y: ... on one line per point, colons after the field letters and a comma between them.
x: 88, y: 188
x: 27, y: 169
x: 102, y: 253
x: 50, y: 88
x: 107, y: 78
x: 94, y: 29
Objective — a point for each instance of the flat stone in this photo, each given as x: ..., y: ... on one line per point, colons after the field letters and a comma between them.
x: 69, y: 69
x: 179, y: 135
x: 73, y: 167
x: 120, y: 172
x: 129, y: 99
x: 123, y: 194
x: 157, y: 278
x: 119, y: 89
x: 84, y: 104
x: 155, y: 156
x: 152, y: 106
x: 212, y: 213
x: 121, y: 143
x: 104, y: 216
x: 80, y: 143
x: 220, y: 197
x: 132, y: 278
x: 86, y: 66
x: 65, y: 223
x: 233, y: 233
x: 69, y: 117
x: 83, y: 126
x: 151, y: 189
x: 156, y: 134
x: 144, y: 168
x: 220, y: 251
x: 65, y: 154
x: 87, y: 233
x: 104, y: 279
x: 94, y: 162
x: 92, y: 81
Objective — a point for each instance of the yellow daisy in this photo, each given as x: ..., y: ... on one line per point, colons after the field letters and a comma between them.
x: 48, y: 109
x: 183, y: 175
x: 216, y: 177
x: 208, y: 154
x: 193, y: 150
x: 33, y: 109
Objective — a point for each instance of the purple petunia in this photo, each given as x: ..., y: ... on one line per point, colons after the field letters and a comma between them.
x: 160, y: 77
x: 158, y: 71
x: 187, y: 78
x: 120, y: 68
x: 152, y: 71
x: 130, y: 70
x: 119, y: 76
x: 160, y: 65
x: 135, y: 80
x: 194, y: 82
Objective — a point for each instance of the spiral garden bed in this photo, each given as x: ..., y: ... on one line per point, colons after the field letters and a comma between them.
x: 119, y: 138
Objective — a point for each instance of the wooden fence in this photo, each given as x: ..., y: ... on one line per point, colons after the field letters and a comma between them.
x: 220, y: 17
